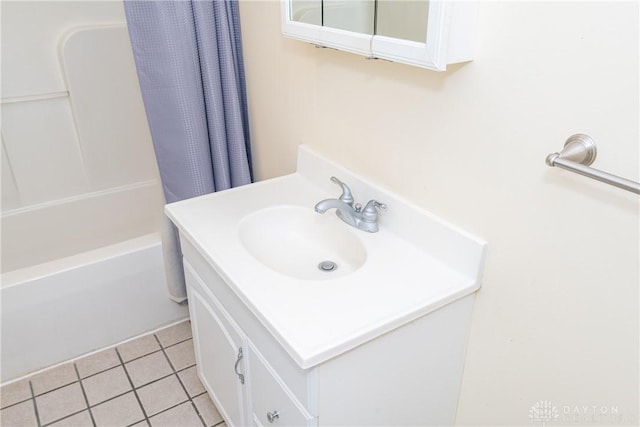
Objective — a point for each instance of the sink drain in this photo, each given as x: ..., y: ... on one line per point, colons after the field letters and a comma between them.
x: 327, y: 266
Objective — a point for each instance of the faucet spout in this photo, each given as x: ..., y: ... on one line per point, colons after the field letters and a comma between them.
x: 325, y: 205
x: 365, y: 220
x: 344, y: 211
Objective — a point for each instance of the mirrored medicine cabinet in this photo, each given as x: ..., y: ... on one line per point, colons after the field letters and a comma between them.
x: 424, y: 33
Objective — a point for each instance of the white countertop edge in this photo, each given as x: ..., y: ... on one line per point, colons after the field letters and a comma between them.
x: 317, y: 170
x: 383, y: 327
x: 306, y: 361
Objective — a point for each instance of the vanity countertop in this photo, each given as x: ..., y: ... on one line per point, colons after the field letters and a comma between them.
x: 415, y: 264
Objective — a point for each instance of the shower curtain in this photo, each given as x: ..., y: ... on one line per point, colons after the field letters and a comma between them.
x: 188, y: 56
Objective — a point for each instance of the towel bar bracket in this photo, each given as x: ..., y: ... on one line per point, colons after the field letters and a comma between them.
x: 578, y: 153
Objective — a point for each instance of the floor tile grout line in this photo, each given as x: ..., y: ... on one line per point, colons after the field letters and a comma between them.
x: 82, y: 356
x: 119, y: 395
x: 135, y: 393
x: 155, y: 381
x: 200, y: 394
x: 80, y: 379
x: 180, y: 340
x: 193, y: 404
x: 35, y: 406
x: 138, y: 422
x: 121, y: 363
x: 149, y: 353
x: 195, y: 407
x: 136, y: 388
x: 16, y: 403
x: 84, y: 394
x: 142, y: 355
x: 65, y: 417
x: 88, y: 408
x: 71, y: 383
x: 111, y: 398
x: 98, y: 373
x: 169, y: 408
x: 155, y: 351
x: 54, y: 389
x: 173, y: 344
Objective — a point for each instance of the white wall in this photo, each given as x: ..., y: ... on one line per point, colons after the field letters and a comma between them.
x: 557, y: 317
x: 78, y: 169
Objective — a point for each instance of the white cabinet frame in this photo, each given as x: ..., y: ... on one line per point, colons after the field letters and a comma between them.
x: 449, y: 37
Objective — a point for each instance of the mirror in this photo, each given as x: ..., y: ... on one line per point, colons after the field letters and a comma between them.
x: 426, y: 33
x: 307, y: 11
x: 401, y: 19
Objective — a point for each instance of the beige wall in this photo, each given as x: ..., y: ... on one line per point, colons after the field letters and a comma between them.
x: 557, y: 316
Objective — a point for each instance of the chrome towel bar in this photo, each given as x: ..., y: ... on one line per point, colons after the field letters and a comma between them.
x: 578, y: 153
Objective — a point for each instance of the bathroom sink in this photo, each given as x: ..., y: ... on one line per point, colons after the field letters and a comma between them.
x: 391, y: 275
x: 266, y: 241
x: 298, y: 242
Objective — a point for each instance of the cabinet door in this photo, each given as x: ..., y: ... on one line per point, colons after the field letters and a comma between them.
x: 219, y: 355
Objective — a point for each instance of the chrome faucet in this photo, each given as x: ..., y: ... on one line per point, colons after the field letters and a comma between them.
x: 363, y: 219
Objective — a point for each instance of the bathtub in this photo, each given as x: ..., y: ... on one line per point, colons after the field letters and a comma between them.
x: 58, y: 310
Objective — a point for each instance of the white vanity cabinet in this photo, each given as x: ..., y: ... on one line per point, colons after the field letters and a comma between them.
x: 219, y: 345
x: 409, y: 376
x: 239, y: 378
x: 278, y: 342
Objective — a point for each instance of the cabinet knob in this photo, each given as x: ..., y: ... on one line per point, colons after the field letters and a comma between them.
x: 272, y: 416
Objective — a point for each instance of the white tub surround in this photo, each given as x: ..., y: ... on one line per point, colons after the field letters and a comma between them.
x: 63, y: 228
x: 59, y: 310
x: 80, y: 188
x: 402, y: 310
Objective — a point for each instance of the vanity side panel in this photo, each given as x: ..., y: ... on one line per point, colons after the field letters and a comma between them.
x: 409, y: 376
x: 296, y: 378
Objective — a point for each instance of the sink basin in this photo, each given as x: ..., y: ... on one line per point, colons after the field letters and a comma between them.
x: 295, y: 241
x: 266, y: 240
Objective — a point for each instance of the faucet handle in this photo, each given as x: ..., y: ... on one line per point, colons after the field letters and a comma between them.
x: 346, y: 196
x: 370, y: 212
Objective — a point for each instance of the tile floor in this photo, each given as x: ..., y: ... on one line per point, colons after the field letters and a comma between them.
x: 149, y: 381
